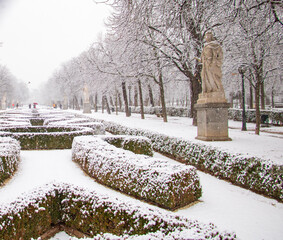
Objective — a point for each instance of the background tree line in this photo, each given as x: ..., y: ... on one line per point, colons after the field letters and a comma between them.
x: 12, y: 91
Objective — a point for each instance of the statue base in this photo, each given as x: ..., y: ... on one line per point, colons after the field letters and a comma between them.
x: 212, y: 120
x: 211, y: 97
x: 87, y: 108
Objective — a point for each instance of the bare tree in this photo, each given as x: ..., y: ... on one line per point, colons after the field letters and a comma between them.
x: 254, y: 42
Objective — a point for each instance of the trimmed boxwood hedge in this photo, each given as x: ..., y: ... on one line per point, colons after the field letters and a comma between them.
x: 35, y: 138
x: 60, y: 118
x: 275, y: 115
x: 93, y: 214
x: 255, y: 174
x: 9, y: 157
x: 135, y: 144
x: 36, y: 121
x: 157, y: 181
x: 77, y: 122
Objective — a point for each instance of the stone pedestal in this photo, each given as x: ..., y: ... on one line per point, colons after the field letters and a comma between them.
x: 212, y: 119
x: 86, y: 108
x: 3, y: 105
x: 65, y: 103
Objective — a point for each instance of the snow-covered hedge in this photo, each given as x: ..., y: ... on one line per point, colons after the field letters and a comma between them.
x: 171, y: 111
x: 36, y: 137
x: 9, y: 157
x: 255, y: 174
x: 77, y: 122
x: 34, y: 117
x: 93, y: 214
x: 158, y: 181
x: 274, y: 116
x: 60, y: 118
x: 14, y: 122
x: 36, y: 121
x: 135, y: 144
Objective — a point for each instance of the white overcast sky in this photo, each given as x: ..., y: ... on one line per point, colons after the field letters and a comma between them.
x: 38, y: 35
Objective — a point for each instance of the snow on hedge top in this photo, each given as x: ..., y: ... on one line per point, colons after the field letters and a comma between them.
x: 147, y: 163
x: 126, y: 138
x: 59, y: 118
x: 40, y: 130
x: 9, y: 146
x: 14, y: 122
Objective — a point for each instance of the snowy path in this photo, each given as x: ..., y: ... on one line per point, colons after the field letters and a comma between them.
x: 41, y: 167
x: 231, y: 208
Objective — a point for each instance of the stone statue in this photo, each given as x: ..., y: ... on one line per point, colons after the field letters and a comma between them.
x: 86, y: 94
x: 86, y: 104
x: 4, y: 99
x: 211, y: 59
x: 212, y: 107
x: 65, y: 102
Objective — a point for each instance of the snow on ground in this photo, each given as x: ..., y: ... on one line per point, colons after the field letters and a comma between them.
x: 61, y: 236
x: 231, y: 208
x: 266, y: 145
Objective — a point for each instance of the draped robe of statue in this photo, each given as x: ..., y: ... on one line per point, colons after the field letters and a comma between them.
x: 86, y: 94
x: 86, y: 104
x: 211, y: 58
x: 211, y: 73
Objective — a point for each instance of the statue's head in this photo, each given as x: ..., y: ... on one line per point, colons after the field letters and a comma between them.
x: 208, y: 37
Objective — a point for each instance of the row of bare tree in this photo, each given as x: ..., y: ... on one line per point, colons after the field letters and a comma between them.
x: 152, y: 47
x: 12, y: 90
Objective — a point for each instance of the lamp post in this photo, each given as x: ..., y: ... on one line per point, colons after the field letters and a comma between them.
x: 242, y: 69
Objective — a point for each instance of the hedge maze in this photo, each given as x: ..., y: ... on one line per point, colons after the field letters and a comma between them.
x: 124, y: 163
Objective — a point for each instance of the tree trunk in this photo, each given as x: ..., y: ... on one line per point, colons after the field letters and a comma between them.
x: 124, y: 91
x: 146, y: 102
x: 262, y: 95
x: 107, y: 105
x: 102, y: 104
x: 195, y: 88
x: 111, y: 102
x: 150, y: 95
x: 272, y: 98
x: 130, y: 98
x: 136, y: 97
x: 162, y: 96
x: 257, y: 108
x: 116, y: 102
x: 91, y: 101
x: 76, y: 103
x: 187, y: 100
x: 95, y: 102
x: 141, y: 99
x: 120, y: 101
x: 251, y: 97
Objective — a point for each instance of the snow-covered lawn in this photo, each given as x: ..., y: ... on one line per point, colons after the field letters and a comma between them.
x: 229, y: 207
